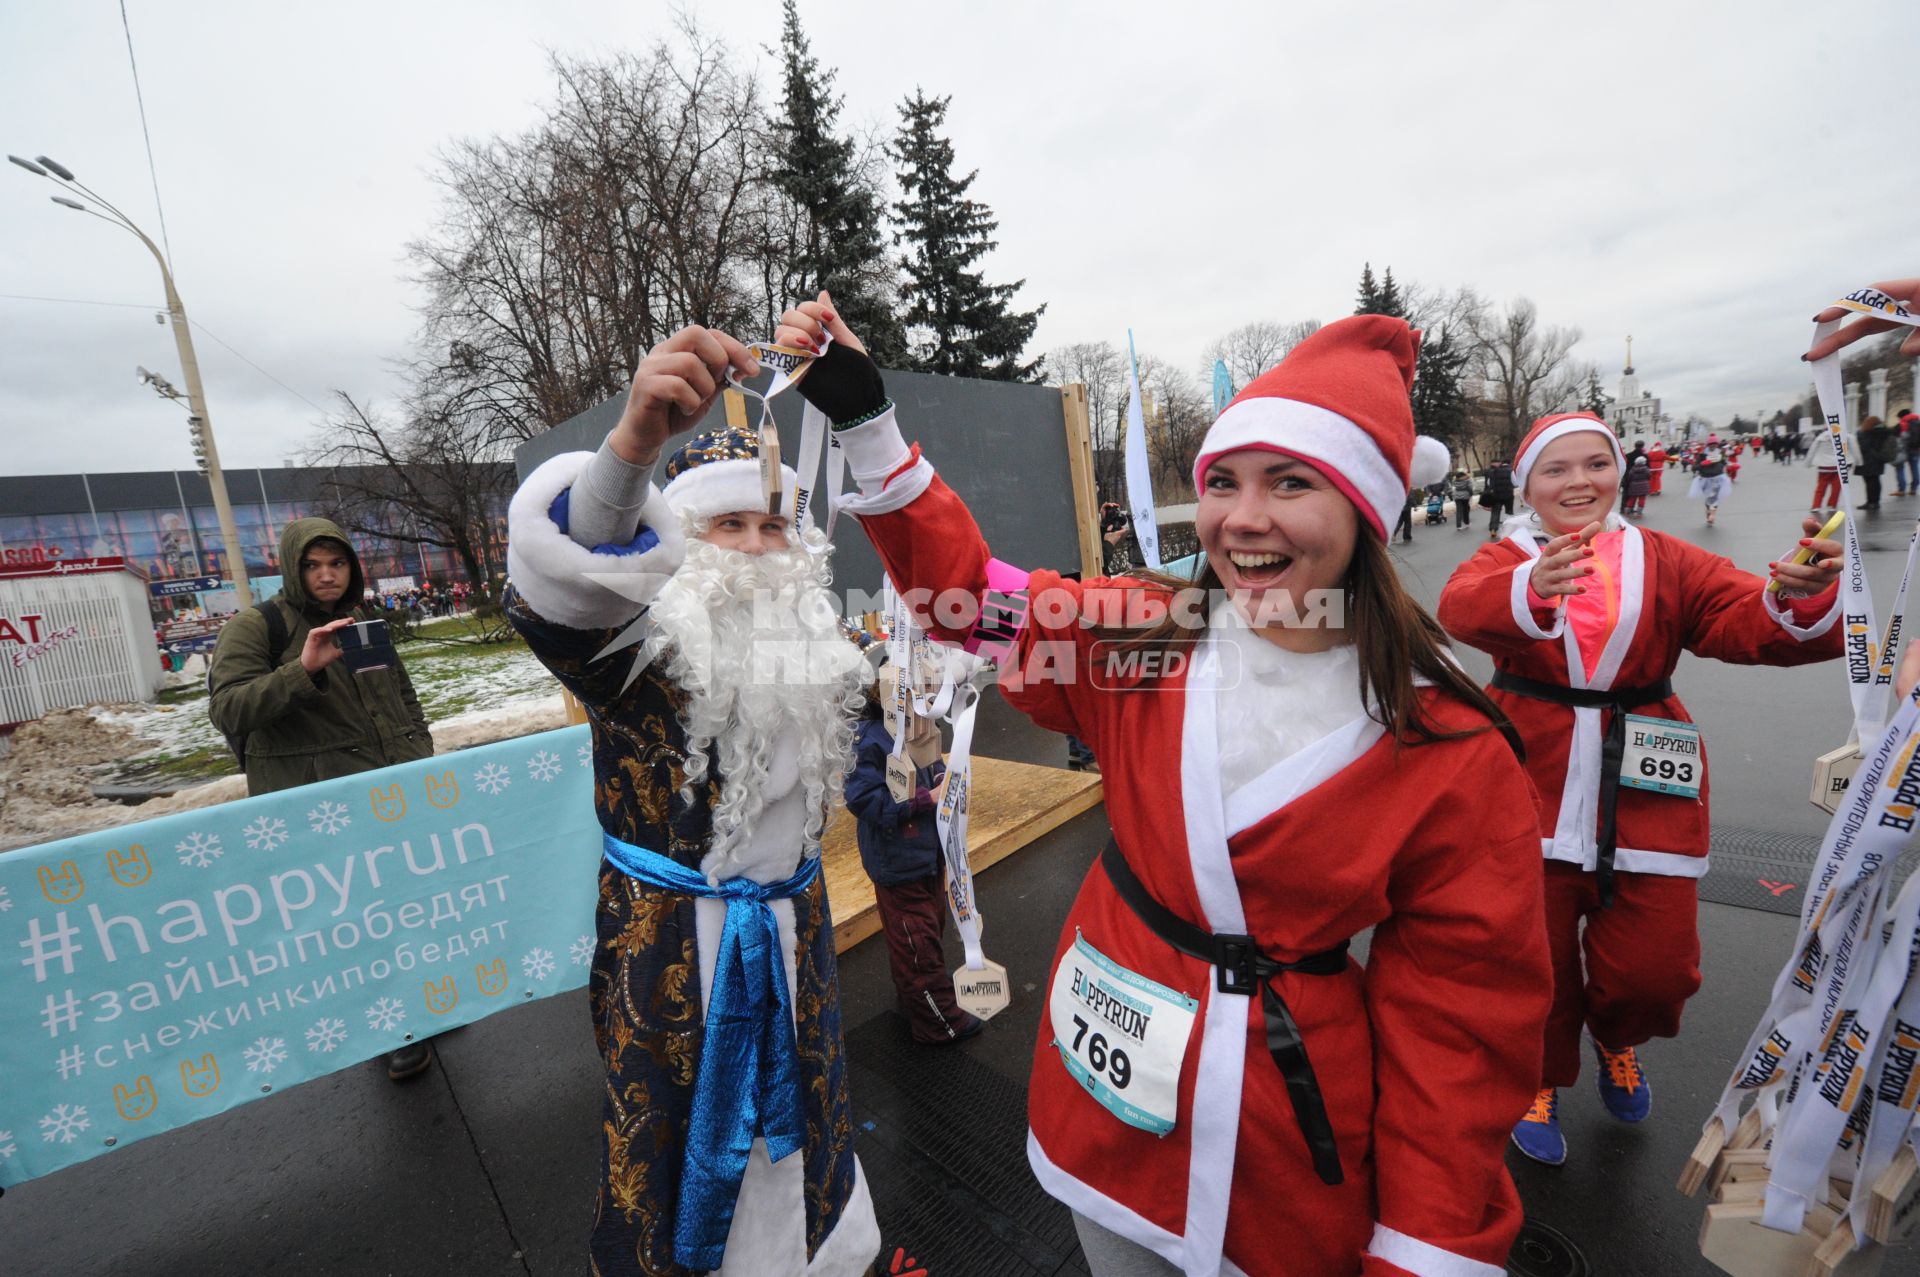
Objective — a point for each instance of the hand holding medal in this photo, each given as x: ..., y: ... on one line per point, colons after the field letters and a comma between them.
x: 674, y: 386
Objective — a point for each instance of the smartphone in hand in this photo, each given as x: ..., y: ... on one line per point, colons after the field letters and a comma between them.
x: 366, y: 645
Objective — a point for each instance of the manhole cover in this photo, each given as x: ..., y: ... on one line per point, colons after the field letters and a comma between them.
x: 1540, y: 1251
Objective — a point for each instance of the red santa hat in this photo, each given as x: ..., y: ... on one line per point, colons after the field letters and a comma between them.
x: 1339, y: 402
x: 1558, y: 426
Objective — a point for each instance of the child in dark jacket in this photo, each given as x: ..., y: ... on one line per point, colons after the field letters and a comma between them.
x: 900, y: 849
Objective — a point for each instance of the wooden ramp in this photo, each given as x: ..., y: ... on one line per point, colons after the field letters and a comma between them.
x: 1013, y: 804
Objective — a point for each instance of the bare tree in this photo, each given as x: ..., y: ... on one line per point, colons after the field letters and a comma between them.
x: 1102, y: 369
x: 1251, y: 349
x: 1181, y: 412
x: 1523, y: 368
x: 631, y: 209
x: 420, y: 478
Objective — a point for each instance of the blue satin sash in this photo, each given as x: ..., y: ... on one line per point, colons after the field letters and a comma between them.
x: 748, y: 1083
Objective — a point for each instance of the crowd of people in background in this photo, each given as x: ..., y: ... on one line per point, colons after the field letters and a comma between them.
x: 421, y: 602
x: 1712, y: 465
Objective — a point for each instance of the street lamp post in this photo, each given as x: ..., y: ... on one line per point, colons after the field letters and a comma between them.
x: 58, y: 173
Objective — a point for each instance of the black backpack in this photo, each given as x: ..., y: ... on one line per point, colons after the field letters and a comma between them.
x: 276, y: 648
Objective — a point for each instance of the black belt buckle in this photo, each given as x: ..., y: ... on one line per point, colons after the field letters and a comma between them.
x: 1233, y: 969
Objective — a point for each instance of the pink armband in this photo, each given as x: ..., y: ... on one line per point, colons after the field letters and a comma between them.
x: 1003, y: 612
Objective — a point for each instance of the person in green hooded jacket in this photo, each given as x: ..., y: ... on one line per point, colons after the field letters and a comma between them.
x: 301, y: 718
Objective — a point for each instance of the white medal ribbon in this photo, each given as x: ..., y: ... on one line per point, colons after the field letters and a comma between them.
x: 900, y: 656
x: 1862, y: 662
x: 1896, y: 1073
x: 1888, y: 656
x: 1834, y: 1005
x: 789, y: 365
x: 952, y: 820
x: 912, y: 651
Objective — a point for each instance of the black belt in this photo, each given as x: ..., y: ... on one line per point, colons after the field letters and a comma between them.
x: 1613, y: 748
x: 1240, y: 967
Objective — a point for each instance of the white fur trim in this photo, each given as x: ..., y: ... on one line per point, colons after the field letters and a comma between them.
x: 1294, y: 775
x: 875, y: 449
x: 1214, y: 1132
x: 1098, y: 1207
x: 1424, y: 1259
x: 1321, y: 436
x: 564, y: 581
x: 1523, y: 464
x: 727, y: 487
x: 1523, y: 617
x: 895, y: 496
x: 1784, y: 618
x: 1666, y: 864
x: 1432, y: 461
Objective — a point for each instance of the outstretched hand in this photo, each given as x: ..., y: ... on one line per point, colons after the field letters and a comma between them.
x: 1804, y: 580
x: 843, y: 382
x: 1904, y: 291
x: 1562, y: 565
x: 673, y: 388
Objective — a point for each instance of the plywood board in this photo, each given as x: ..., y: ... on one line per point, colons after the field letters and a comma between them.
x: 1013, y: 804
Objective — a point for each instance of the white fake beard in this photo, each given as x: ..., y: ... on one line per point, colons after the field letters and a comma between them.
x: 755, y: 642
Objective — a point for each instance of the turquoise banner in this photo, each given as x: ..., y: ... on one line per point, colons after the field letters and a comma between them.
x: 166, y: 971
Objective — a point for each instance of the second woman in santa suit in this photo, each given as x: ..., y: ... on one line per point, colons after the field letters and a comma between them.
x: 1585, y: 616
x: 1218, y: 1086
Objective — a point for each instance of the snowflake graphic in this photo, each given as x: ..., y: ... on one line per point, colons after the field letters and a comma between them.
x: 493, y: 778
x: 266, y: 833
x: 325, y: 1035
x: 5, y: 904
x: 64, y: 1123
x: 386, y: 1015
x: 199, y: 850
x: 6, y: 1146
x: 537, y: 965
x: 265, y: 1055
x: 582, y: 951
x: 543, y: 766
x: 329, y: 817
x: 586, y: 755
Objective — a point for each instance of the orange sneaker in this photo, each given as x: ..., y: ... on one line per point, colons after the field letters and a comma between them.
x: 1624, y: 1088
x: 1538, y: 1133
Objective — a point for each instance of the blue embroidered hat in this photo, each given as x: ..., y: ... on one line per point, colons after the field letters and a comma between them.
x: 719, y: 473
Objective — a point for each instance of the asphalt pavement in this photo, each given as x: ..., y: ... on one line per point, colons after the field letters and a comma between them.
x: 487, y: 1164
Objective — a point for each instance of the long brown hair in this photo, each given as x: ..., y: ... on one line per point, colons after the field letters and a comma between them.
x: 1396, y: 639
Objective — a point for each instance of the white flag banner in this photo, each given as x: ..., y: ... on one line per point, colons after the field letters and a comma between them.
x: 1146, y: 529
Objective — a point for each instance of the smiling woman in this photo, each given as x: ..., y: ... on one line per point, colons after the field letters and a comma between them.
x: 1585, y: 616
x: 1302, y: 773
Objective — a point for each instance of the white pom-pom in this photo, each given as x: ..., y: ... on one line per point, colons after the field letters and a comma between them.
x: 1431, y: 461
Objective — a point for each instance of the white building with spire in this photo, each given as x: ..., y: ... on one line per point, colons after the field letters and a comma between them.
x: 1634, y: 413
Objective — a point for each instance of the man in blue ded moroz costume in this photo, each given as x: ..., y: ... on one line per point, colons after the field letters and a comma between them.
x: 696, y: 628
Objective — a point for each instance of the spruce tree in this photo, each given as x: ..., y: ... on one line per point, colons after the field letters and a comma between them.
x: 839, y: 243
x: 1380, y: 297
x: 1368, y: 301
x: 1593, y: 398
x: 958, y: 323
x: 1389, y: 301
x: 1439, y: 398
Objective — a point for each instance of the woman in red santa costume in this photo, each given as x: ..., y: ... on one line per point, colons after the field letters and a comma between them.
x: 1585, y: 616
x: 1218, y: 1087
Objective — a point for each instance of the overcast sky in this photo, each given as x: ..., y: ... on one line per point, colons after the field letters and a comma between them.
x: 1703, y: 176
